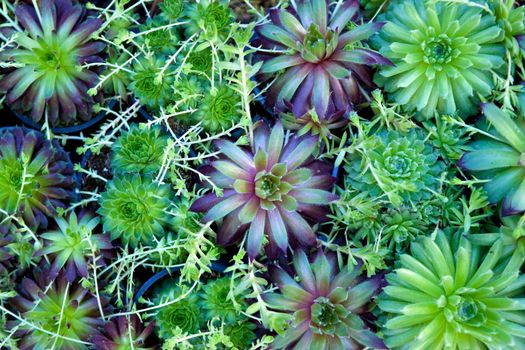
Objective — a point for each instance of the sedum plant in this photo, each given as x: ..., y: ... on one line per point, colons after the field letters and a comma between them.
x: 135, y: 209
x: 444, y: 56
x: 218, y: 109
x: 121, y: 333
x: 49, y: 79
x: 216, y: 301
x: 272, y: 191
x: 207, y: 16
x: 73, y: 245
x: 496, y: 156
x: 325, y: 305
x: 36, y: 176
x: 68, y: 311
x: 402, y: 166
x: 319, y: 60
x: 447, y: 294
x: 139, y: 150
x: 150, y: 87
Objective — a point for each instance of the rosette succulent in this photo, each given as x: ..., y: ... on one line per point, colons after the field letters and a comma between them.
x: 314, y: 124
x: 135, y: 209
x: 498, y: 158
x: 208, y: 16
x: 215, y: 300
x: 511, y: 17
x: 172, y: 9
x: 183, y: 314
x: 453, y: 295
x: 63, y: 309
x: 49, y: 78
x: 444, y: 56
x: 122, y: 333
x: 218, y: 109
x: 403, y: 167
x: 73, y: 245
x: 148, y: 86
x: 36, y: 176
x: 320, y: 62
x: 325, y: 304
x: 139, y: 150
x: 159, y: 41
x: 270, y: 190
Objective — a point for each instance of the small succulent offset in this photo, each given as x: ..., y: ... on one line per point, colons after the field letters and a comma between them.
x: 36, y: 176
x: 135, y: 209
x: 73, y: 245
x: 172, y: 9
x: 498, y: 157
x: 210, y: 16
x: 49, y: 78
x: 122, y: 333
x: 404, y: 167
x: 511, y: 17
x: 215, y: 300
x: 314, y: 124
x: 218, y: 109
x: 325, y: 304
x: 139, y: 150
x: 183, y: 314
x: 321, y: 63
x: 268, y: 191
x: 444, y: 56
x: 452, y: 295
x: 148, y: 86
x: 68, y: 311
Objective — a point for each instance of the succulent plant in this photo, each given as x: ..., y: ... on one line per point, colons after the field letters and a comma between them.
x: 218, y: 109
x: 74, y: 244
x: 268, y: 191
x: 184, y: 314
x: 371, y: 7
x: 159, y: 41
x: 511, y: 17
x: 320, y: 62
x: 135, y: 209
x: 36, y: 176
x: 115, y: 80
x: 49, y: 78
x: 67, y: 310
x: 497, y: 157
x: 172, y: 9
x: 122, y: 333
x: 139, y: 150
x: 5, y: 253
x: 403, y: 167
x: 241, y: 334
x: 201, y: 61
x: 314, y: 124
x: 325, y: 304
x: 210, y: 16
x: 188, y: 90
x: 148, y: 86
x: 444, y: 56
x: 215, y: 300
x: 453, y: 295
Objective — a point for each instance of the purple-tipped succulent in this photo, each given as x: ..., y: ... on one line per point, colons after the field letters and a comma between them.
x: 318, y: 61
x: 73, y: 245
x: 36, y: 176
x: 120, y: 333
x: 325, y: 304
x: 59, y: 308
x: 49, y: 52
x: 272, y: 190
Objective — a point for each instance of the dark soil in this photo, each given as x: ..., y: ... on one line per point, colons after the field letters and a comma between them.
x: 101, y: 163
x: 241, y: 10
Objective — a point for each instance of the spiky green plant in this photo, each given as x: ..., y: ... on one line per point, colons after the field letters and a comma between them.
x: 402, y: 166
x: 325, y: 304
x: 139, y: 150
x: 319, y: 62
x: 159, y: 41
x: 444, y: 56
x: 511, y: 17
x: 218, y: 109
x: 49, y: 53
x: 74, y: 244
x: 69, y: 311
x: 121, y: 333
x: 36, y: 176
x: 216, y: 300
x: 449, y: 294
x: 148, y: 85
x: 208, y: 16
x: 497, y: 156
x: 268, y: 191
x: 172, y: 9
x: 135, y: 209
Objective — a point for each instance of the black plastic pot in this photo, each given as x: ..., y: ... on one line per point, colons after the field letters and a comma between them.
x: 215, y: 266
x: 65, y: 129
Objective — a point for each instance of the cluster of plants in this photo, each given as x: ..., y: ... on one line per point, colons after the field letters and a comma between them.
x: 245, y: 174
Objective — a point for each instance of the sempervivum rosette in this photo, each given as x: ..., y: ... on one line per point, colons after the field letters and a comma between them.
x: 71, y: 312
x: 36, y: 176
x: 318, y: 61
x: 497, y: 156
x: 444, y: 55
x: 325, y: 304
x: 123, y: 333
x: 270, y: 190
x: 49, y: 79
